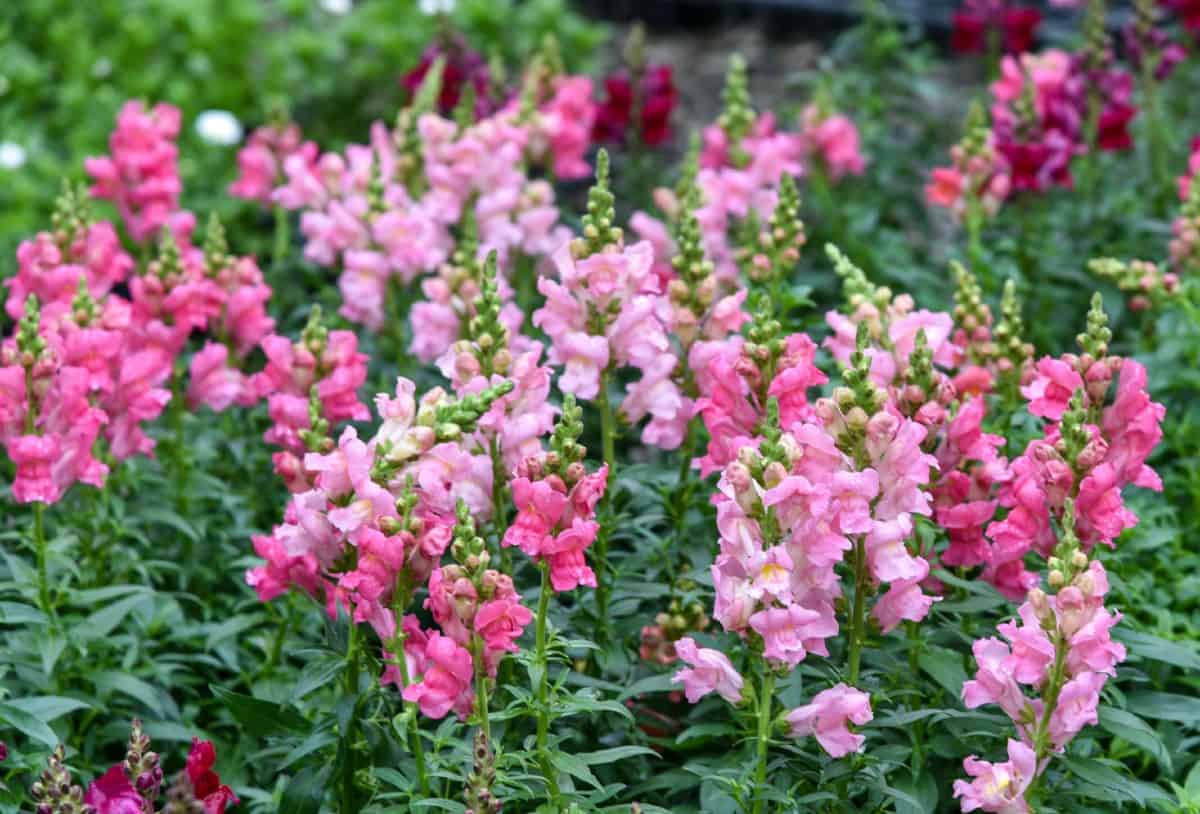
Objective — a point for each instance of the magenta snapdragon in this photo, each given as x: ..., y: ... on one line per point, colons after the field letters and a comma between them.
x: 141, y: 176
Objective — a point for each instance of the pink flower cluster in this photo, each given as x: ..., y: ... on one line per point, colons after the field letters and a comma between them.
x: 605, y: 311
x: 1041, y: 109
x: 555, y: 520
x: 1060, y: 647
x: 261, y: 161
x: 329, y: 363
x: 831, y: 139
x: 978, y: 176
x: 1185, y: 228
x: 142, y: 175
x: 731, y: 191
x: 359, y: 212
x: 1043, y: 478
x: 734, y: 387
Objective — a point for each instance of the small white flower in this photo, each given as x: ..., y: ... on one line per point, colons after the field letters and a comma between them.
x: 432, y: 7
x: 12, y: 155
x: 338, y: 7
x: 219, y: 127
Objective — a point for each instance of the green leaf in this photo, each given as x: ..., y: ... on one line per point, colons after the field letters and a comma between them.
x: 657, y: 683
x: 575, y: 767
x: 441, y: 805
x: 305, y: 792
x: 1133, y: 729
x: 945, y: 667
x: 922, y: 788
x: 104, y: 621
x: 1103, y: 783
x: 706, y: 731
x: 259, y: 716
x: 1151, y: 647
x: 1165, y: 706
x: 27, y: 724
x: 599, y: 758
x: 47, y: 708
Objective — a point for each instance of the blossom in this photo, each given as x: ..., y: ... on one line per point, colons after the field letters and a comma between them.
x: 834, y: 139
x: 710, y: 671
x: 141, y: 176
x: 446, y: 681
x: 998, y: 787
x: 657, y: 97
x: 112, y: 793
x: 827, y: 715
x: 206, y: 784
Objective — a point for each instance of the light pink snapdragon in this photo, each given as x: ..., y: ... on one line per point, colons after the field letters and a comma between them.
x: 827, y: 717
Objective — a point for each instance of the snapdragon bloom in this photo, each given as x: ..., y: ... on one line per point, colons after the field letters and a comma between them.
x: 710, y: 671
x: 977, y: 21
x: 141, y: 175
x: 827, y: 715
x: 657, y: 97
x: 998, y: 787
x: 833, y: 139
x: 261, y: 161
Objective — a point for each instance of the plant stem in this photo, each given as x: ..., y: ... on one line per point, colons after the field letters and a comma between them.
x: 765, y: 703
x: 543, y: 704
x: 857, y: 620
x: 352, y: 690
x: 414, y: 725
x: 481, y: 696
x: 1041, y: 736
x: 39, y: 542
x: 282, y: 238
x: 608, y: 447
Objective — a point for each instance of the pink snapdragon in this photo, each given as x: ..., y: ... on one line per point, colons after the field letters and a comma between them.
x: 444, y: 681
x: 999, y: 787
x: 556, y: 499
x: 141, y: 175
x: 827, y: 716
x: 261, y: 161
x: 710, y: 671
x: 832, y: 139
x: 1061, y: 649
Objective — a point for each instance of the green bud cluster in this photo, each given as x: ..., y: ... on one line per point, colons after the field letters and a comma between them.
x: 407, y: 137
x: 1094, y: 340
x: 737, y: 117
x: 1010, y: 330
x: 468, y: 548
x: 316, y: 438
x: 168, y: 264
x: 856, y: 288
x: 72, y: 214
x: 485, y: 330
x: 30, y: 344
x: 84, y: 309
x: 216, y: 247
x: 565, y: 448
x: 599, y: 229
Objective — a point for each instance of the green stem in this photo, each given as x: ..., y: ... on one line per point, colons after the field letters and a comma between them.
x: 543, y: 704
x: 39, y: 542
x: 481, y: 695
x: 1042, y: 746
x: 414, y: 725
x: 975, y: 257
x: 608, y: 447
x: 500, y: 504
x: 282, y: 238
x: 281, y: 633
x: 347, y: 802
x: 857, y: 617
x: 1157, y: 146
x: 765, y: 702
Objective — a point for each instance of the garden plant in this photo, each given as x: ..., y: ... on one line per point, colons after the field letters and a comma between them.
x: 466, y: 431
